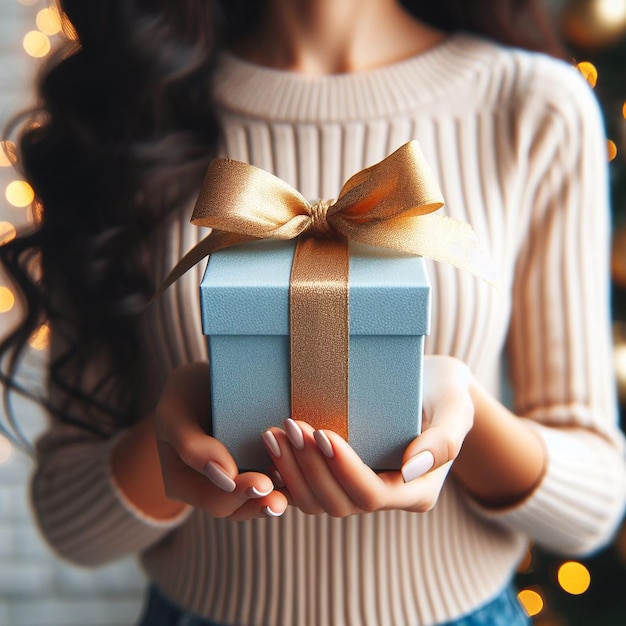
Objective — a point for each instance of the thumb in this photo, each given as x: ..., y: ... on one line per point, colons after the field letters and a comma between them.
x: 450, y: 418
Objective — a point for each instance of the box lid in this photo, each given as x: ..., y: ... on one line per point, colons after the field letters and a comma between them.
x: 245, y: 291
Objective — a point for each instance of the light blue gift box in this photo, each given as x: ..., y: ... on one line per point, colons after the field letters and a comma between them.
x: 245, y: 314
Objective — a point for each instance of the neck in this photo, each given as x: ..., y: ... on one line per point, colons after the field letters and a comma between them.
x: 335, y: 36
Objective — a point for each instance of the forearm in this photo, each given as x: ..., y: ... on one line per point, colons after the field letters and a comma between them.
x: 502, y: 460
x: 136, y: 470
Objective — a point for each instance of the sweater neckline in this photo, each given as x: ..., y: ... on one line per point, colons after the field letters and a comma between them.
x: 243, y: 87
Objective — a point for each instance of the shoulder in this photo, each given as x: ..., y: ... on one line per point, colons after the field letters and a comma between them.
x: 521, y: 74
x: 541, y: 85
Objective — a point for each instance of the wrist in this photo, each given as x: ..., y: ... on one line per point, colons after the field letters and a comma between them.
x: 502, y: 460
x: 136, y: 470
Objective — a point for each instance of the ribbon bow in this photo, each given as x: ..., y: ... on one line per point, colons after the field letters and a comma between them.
x: 389, y: 205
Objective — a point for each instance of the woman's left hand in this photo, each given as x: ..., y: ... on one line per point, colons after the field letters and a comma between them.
x: 321, y: 473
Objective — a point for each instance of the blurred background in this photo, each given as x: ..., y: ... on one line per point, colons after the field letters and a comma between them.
x: 37, y: 589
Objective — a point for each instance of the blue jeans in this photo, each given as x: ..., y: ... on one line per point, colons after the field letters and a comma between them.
x: 504, y: 610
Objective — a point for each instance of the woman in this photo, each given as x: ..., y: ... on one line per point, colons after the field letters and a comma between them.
x: 313, y: 92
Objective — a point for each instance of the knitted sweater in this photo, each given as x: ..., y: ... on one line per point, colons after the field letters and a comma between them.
x: 516, y: 142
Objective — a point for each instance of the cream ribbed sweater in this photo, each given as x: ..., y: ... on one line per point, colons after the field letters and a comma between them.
x: 516, y: 142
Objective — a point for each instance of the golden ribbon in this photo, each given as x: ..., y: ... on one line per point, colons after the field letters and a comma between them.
x: 388, y: 205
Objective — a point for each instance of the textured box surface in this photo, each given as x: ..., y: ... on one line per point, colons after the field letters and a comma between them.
x: 245, y: 314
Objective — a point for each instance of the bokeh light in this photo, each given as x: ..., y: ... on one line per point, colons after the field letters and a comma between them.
x: 611, y: 149
x: 574, y: 577
x: 589, y: 71
x: 36, y: 44
x: 7, y: 232
x: 40, y: 339
x: 7, y: 299
x: 531, y: 600
x: 49, y: 21
x: 19, y: 193
x: 611, y: 10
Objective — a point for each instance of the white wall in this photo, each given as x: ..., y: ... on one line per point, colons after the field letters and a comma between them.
x: 36, y: 589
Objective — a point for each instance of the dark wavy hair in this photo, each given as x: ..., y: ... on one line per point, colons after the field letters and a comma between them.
x: 120, y: 140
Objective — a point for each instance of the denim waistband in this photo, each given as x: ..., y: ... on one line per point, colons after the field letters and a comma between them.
x: 503, y: 610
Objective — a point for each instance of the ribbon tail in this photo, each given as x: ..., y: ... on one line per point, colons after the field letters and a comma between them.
x: 216, y: 240
x: 437, y: 237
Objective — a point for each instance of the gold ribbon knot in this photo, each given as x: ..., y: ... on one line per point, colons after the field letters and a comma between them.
x: 319, y: 226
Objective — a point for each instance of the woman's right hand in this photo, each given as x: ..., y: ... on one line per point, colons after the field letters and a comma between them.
x: 198, y: 469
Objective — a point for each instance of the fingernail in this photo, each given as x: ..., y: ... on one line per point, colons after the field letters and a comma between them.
x: 277, y: 478
x: 253, y: 492
x: 271, y: 443
x: 270, y: 512
x: 323, y: 443
x: 417, y: 466
x: 219, y: 477
x: 294, y: 434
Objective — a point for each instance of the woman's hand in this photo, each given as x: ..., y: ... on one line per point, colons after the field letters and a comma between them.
x: 198, y: 469
x: 322, y: 474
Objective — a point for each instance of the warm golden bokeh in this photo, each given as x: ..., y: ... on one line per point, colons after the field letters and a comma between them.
x: 531, y: 601
x: 19, y: 193
x: 36, y: 44
x: 611, y: 149
x: 40, y: 339
x: 7, y: 232
x: 589, y: 71
x: 49, y: 21
x: 7, y: 299
x: 574, y: 577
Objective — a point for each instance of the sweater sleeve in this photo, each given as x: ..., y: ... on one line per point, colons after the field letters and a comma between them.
x: 559, y: 346
x: 80, y: 511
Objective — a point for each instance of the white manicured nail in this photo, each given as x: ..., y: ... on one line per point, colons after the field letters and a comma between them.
x: 271, y: 443
x: 417, y: 466
x: 294, y: 434
x: 253, y: 492
x: 271, y: 513
x: 219, y: 477
x: 323, y: 443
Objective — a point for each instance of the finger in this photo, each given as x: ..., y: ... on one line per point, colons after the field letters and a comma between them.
x: 322, y: 482
x: 271, y: 506
x: 365, y: 490
x: 283, y: 456
x: 451, y: 418
x: 182, y: 410
x: 418, y: 495
x: 182, y: 431
x: 220, y: 497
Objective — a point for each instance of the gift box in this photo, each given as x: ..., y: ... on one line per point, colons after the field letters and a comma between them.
x: 245, y: 315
